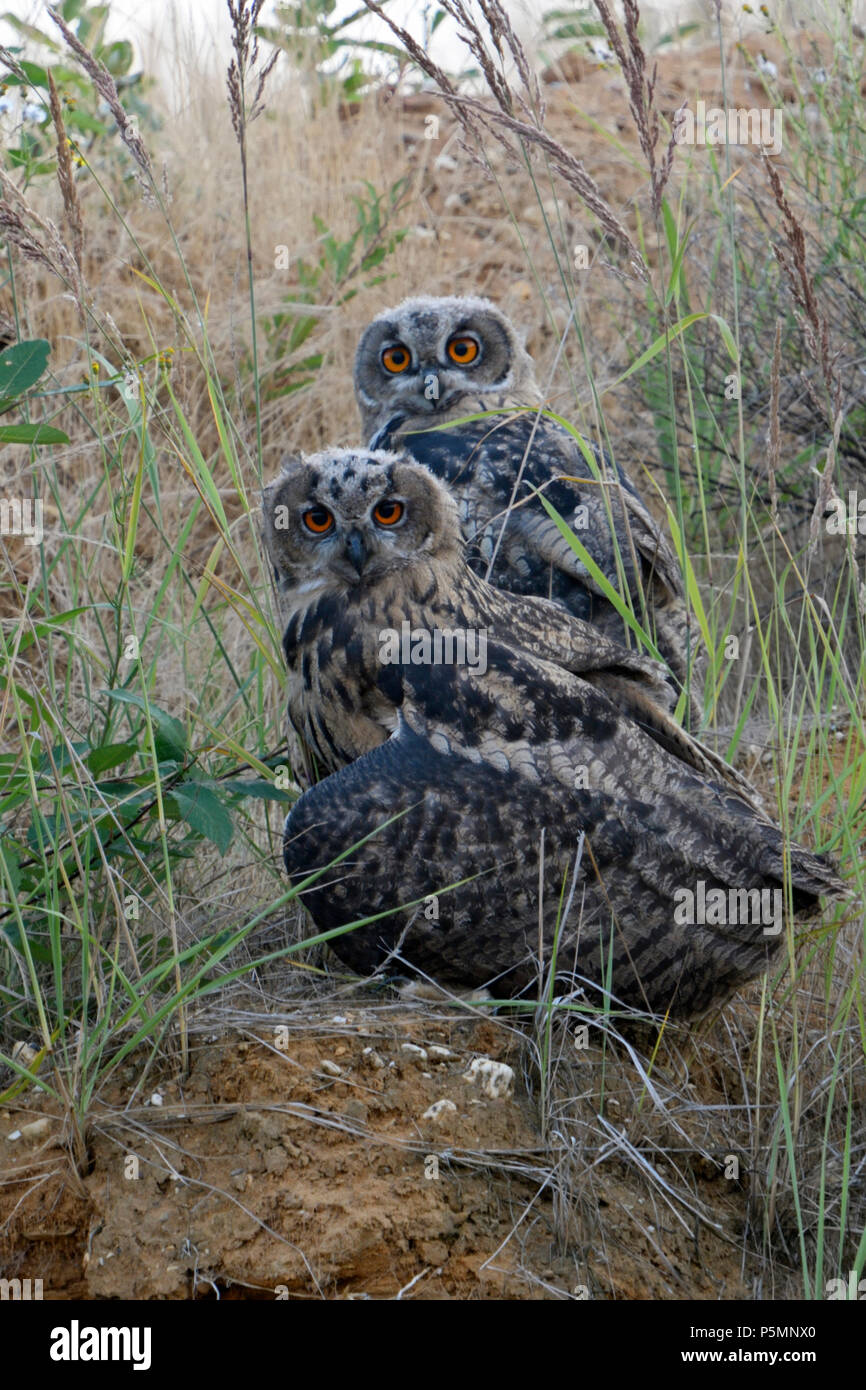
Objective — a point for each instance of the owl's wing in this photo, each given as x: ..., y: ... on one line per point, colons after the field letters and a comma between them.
x: 481, y: 460
x: 636, y: 684
x: 543, y: 676
x: 443, y: 857
x: 497, y: 465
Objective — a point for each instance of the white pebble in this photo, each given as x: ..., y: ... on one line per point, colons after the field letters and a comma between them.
x: 496, y: 1078
x: 438, y: 1109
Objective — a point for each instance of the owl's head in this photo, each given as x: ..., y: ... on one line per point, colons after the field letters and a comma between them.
x: 346, y: 517
x: 425, y: 355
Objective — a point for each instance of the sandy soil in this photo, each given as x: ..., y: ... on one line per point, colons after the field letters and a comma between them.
x: 312, y: 1170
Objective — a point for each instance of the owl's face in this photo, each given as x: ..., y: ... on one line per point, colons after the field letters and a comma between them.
x: 426, y: 355
x: 346, y: 517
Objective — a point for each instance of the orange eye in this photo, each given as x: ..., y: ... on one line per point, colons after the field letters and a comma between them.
x: 318, y: 520
x: 462, y: 350
x: 396, y: 359
x: 388, y: 512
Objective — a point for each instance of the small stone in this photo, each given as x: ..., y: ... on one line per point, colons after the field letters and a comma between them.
x: 36, y: 1130
x: 156, y: 1098
x: 437, y: 1053
x: 330, y: 1068
x: 372, y: 1059
x: 496, y: 1078
x: 412, y: 1050
x: 438, y: 1109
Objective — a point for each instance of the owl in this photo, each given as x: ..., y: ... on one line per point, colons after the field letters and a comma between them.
x: 420, y: 370
x: 510, y: 791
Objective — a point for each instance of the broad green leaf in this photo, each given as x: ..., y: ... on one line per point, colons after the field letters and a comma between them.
x: 22, y: 365
x: 263, y: 791
x: 110, y: 755
x: 169, y: 734
x: 117, y: 57
x: 32, y: 434
x: 203, y: 812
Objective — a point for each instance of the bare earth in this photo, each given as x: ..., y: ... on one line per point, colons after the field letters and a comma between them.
x: 266, y: 1176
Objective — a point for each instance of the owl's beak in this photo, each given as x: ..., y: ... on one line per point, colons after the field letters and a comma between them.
x: 356, y: 551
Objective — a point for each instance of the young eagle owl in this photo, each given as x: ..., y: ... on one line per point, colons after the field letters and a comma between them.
x: 423, y: 366
x: 492, y: 741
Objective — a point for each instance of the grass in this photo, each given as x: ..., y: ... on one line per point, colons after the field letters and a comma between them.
x: 145, y: 772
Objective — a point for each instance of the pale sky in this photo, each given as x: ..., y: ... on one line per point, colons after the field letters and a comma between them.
x: 159, y: 28
x: 166, y: 32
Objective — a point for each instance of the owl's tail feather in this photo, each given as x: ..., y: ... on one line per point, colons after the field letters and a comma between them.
x: 441, y: 861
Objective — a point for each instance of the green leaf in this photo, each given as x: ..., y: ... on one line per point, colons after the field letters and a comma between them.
x: 38, y: 951
x: 259, y: 788
x: 48, y: 626
x: 110, y: 755
x: 117, y: 57
x: 32, y: 434
x: 169, y: 734
x: 726, y: 336
x: 601, y: 580
x: 203, y: 812
x: 62, y: 756
x: 22, y: 159
x: 85, y: 123
x: 659, y: 343
x: 22, y: 365
x: 11, y: 855
x: 682, y: 31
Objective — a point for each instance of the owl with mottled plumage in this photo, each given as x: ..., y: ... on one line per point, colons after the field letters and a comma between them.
x: 420, y: 369
x: 505, y: 782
